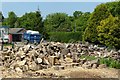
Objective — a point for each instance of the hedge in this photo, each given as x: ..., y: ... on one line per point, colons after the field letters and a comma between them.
x: 65, y: 36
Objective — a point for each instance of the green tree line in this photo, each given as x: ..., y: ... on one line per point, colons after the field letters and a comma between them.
x: 102, y: 26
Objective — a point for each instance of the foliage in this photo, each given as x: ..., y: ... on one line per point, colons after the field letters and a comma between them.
x: 77, y: 14
x: 103, y: 25
x: 108, y: 61
x: 57, y: 22
x: 88, y: 57
x: 11, y: 19
x: 72, y: 41
x: 1, y: 17
x: 52, y: 23
x: 99, y: 27
x: 114, y: 8
x: 7, y: 44
x: 65, y: 36
x: 5, y: 22
x: 101, y: 12
x: 81, y: 22
x: 109, y: 32
x: 32, y: 21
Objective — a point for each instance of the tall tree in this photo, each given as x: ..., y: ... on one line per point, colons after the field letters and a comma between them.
x: 101, y: 12
x: 1, y: 17
x: 12, y: 18
x: 117, y: 9
x: 57, y: 22
x: 77, y: 14
x: 109, y: 32
x: 32, y: 21
x: 38, y: 21
x: 114, y: 8
x: 81, y: 22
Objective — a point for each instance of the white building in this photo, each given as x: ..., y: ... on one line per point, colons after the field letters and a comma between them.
x: 4, y: 30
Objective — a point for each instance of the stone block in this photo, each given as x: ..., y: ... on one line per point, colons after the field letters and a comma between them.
x: 96, y: 61
x: 68, y: 60
x: 39, y: 60
x: 52, y: 60
x: 58, y: 67
x: 75, y: 64
x: 102, y: 66
x: 68, y: 65
x: 94, y: 66
x: 18, y: 69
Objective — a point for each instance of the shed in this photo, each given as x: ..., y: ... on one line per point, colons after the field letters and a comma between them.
x: 16, y: 34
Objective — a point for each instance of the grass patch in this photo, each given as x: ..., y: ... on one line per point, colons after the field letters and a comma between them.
x: 7, y: 44
x: 108, y: 61
x: 88, y: 57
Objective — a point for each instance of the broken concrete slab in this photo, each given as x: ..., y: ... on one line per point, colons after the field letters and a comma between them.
x: 39, y: 60
x: 58, y: 67
x: 102, y: 66
x: 52, y: 60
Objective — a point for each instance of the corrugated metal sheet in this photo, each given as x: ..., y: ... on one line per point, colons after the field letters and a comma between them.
x: 16, y: 30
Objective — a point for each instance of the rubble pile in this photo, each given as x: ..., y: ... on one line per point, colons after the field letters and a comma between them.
x: 53, y: 55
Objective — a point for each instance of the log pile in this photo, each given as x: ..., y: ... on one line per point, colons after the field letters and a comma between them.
x: 53, y: 54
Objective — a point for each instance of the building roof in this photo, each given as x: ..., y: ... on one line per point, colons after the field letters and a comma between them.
x: 4, y: 27
x: 16, y: 30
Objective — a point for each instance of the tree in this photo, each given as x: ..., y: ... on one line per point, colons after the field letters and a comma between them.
x: 114, y: 8
x: 57, y: 22
x: 38, y: 22
x: 81, y: 22
x: 32, y: 21
x: 101, y: 12
x: 12, y: 18
x: 109, y: 32
x: 117, y: 9
x: 1, y: 17
x: 77, y: 14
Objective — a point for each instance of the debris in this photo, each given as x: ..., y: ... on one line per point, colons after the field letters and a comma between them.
x: 58, y: 67
x: 102, y: 66
x: 39, y: 60
x: 53, y: 54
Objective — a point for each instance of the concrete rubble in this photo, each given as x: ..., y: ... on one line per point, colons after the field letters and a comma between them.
x: 53, y: 55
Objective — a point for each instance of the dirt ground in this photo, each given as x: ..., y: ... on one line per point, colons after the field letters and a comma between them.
x: 77, y: 72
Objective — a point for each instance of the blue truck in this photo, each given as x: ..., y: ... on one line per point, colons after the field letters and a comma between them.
x: 32, y: 37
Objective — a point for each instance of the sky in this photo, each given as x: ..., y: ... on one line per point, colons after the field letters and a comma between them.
x: 20, y: 8
x: 56, y: 0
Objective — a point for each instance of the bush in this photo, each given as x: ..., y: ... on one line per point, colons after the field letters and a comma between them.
x: 108, y: 61
x: 65, y: 36
x: 71, y: 41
